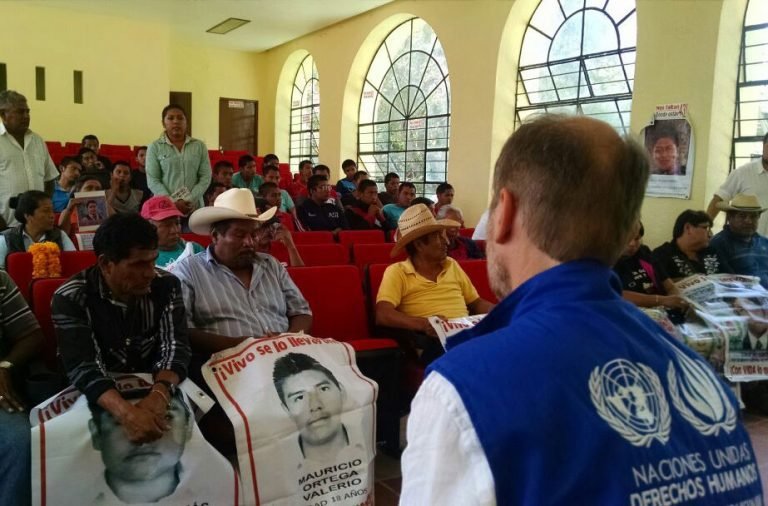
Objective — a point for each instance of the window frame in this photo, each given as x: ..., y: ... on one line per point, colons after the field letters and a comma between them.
x: 377, y: 173
x: 311, y: 84
x: 523, y: 94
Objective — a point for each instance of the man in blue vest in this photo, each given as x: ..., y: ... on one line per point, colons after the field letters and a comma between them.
x: 565, y: 393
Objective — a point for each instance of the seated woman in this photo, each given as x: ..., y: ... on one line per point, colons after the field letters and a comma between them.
x: 34, y: 212
x: 689, y: 253
x: 163, y: 214
x: 644, y: 282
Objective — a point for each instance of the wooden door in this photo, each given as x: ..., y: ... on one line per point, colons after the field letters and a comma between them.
x: 238, y: 124
x: 184, y: 99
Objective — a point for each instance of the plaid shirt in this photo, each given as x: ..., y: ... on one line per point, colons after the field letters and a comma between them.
x: 98, y: 335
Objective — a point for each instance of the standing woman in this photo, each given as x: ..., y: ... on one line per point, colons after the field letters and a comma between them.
x: 34, y: 212
x: 178, y: 165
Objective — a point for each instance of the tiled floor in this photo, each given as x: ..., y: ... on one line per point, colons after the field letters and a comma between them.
x: 388, y: 479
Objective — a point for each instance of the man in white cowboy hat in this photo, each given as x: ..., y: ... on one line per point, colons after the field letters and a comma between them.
x: 428, y: 283
x: 231, y: 291
x: 739, y: 244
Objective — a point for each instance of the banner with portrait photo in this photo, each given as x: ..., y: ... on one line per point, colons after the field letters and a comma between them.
x: 91, y: 210
x: 304, y: 419
x: 728, y: 323
x: 81, y: 455
x: 668, y: 138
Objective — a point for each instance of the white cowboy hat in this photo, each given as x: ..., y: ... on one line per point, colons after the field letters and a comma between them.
x: 742, y: 202
x: 417, y: 221
x: 233, y: 204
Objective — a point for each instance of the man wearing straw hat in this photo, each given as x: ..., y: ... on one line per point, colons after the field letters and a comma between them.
x: 739, y: 244
x: 565, y: 393
x: 231, y: 291
x: 428, y: 283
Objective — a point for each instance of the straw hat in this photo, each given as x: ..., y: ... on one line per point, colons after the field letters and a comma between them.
x: 233, y: 204
x: 742, y: 202
x: 417, y: 221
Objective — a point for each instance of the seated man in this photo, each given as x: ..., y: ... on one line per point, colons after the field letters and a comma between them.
x: 91, y: 142
x: 222, y: 173
x: 365, y: 212
x: 459, y: 248
x: 272, y: 175
x: 120, y: 196
x: 739, y: 244
x: 273, y: 198
x: 21, y: 342
x: 162, y: 213
x: 688, y: 252
x: 298, y: 188
x: 123, y: 315
x: 444, y: 192
x: 346, y: 184
x: 391, y: 183
x: 315, y: 213
x: 92, y: 166
x: 270, y: 160
x: 64, y: 186
x: 231, y: 291
x: 406, y: 192
x: 139, y: 176
x: 247, y: 177
x: 212, y: 192
x: 427, y: 284
x: 350, y: 198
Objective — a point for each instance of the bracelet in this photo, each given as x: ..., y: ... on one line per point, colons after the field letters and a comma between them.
x: 161, y: 394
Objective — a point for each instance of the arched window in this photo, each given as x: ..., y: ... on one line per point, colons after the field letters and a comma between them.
x: 578, y: 57
x: 750, y: 121
x: 305, y: 113
x: 405, y: 109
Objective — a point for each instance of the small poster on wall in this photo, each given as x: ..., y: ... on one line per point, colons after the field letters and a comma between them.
x: 668, y: 138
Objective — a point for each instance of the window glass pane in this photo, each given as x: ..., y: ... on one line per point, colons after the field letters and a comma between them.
x: 618, y: 9
x: 751, y: 111
x: 599, y: 33
x: 567, y: 42
x: 548, y: 17
x: 305, y: 113
x: 600, y: 60
x: 405, y: 107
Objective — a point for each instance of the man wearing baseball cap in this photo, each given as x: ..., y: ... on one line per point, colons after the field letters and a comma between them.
x: 428, y: 283
x: 162, y: 213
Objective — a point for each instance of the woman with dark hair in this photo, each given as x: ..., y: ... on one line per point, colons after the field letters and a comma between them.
x: 644, y: 282
x: 178, y: 165
x: 34, y: 212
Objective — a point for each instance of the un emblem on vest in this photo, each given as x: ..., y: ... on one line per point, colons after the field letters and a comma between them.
x: 630, y: 398
x: 699, y: 396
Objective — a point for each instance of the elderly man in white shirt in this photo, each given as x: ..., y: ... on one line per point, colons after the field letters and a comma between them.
x: 24, y: 160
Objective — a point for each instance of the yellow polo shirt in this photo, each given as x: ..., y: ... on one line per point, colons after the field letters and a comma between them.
x: 413, y: 294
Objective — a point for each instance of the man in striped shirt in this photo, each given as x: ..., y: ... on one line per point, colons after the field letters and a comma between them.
x: 20, y: 342
x: 123, y: 315
x: 232, y: 292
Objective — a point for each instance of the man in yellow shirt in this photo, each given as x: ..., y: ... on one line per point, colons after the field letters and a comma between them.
x: 428, y: 283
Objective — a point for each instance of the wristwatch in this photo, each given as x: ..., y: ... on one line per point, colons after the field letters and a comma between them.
x: 4, y: 364
x: 167, y: 384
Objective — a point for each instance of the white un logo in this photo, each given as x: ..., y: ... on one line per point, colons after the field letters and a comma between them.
x: 629, y: 397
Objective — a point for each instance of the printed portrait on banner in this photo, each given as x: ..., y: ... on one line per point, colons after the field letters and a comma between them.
x: 668, y: 140
x: 82, y: 455
x: 304, y: 419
